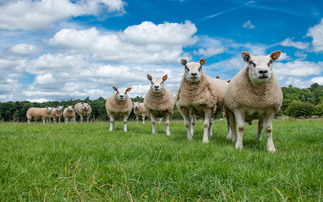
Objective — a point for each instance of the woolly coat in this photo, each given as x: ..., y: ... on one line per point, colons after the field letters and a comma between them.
x: 159, y: 104
x: 206, y: 93
x: 56, y: 113
x: 118, y: 108
x: 141, y: 110
x: 69, y: 114
x: 38, y: 113
x: 79, y: 110
x: 251, y: 97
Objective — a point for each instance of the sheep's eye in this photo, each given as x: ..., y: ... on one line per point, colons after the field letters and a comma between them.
x: 252, y: 63
x: 186, y: 69
x: 269, y: 63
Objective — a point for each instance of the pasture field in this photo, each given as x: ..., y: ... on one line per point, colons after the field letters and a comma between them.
x: 87, y: 162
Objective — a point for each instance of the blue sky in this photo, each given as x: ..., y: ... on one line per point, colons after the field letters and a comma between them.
x: 61, y: 49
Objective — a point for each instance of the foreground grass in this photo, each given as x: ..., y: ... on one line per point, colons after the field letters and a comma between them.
x: 87, y: 162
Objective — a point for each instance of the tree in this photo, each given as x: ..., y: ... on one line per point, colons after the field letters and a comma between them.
x: 299, y: 109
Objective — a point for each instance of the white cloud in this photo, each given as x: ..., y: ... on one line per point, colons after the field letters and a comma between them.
x: 283, y: 56
x: 248, y: 25
x: 290, y: 43
x: 297, y: 69
x: 318, y: 80
x: 316, y: 33
x: 43, y: 14
x: 209, y: 52
x: 24, y: 49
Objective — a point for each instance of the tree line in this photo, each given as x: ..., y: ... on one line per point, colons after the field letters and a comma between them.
x: 298, y: 103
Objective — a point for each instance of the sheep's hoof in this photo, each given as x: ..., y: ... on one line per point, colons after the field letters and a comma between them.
x: 190, y: 138
x: 239, y: 146
x: 271, y: 149
x: 205, y: 141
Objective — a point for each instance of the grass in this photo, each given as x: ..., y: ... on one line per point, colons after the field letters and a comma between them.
x: 87, y: 162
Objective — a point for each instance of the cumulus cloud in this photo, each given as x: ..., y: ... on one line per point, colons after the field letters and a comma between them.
x: 316, y: 33
x: 299, y: 45
x: 209, y: 52
x: 318, y: 80
x: 298, y: 69
x: 248, y: 25
x: 42, y: 14
x: 24, y: 49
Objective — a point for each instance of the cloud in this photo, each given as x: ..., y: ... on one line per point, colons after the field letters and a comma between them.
x: 316, y: 33
x: 283, y: 56
x: 298, y: 69
x: 318, y: 80
x: 299, y: 45
x: 209, y: 52
x: 248, y: 25
x: 43, y: 14
x: 24, y: 49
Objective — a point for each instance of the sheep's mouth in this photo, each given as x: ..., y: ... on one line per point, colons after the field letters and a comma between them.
x: 193, y: 78
x: 263, y: 77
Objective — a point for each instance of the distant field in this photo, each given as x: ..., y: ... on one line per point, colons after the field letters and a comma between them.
x: 87, y: 162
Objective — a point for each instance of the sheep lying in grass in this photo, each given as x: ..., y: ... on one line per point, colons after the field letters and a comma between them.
x: 253, y: 93
x: 140, y: 111
x: 199, y: 95
x: 57, y: 113
x: 39, y: 113
x: 159, y: 102
x: 69, y: 113
x: 83, y: 109
x: 119, y: 104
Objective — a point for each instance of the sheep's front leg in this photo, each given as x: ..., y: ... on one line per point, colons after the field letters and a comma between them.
x: 210, y: 128
x: 54, y: 120
x: 66, y: 120
x: 206, y: 124
x: 231, y: 121
x: 125, y: 123
x: 193, y: 121
x: 137, y: 118
x: 260, y: 127
x: 111, y: 123
x: 44, y: 120
x: 28, y: 120
x: 167, y: 122
x: 143, y: 119
x: 153, y: 123
x: 187, y: 122
x: 240, y: 117
x: 269, y: 128
x: 88, y: 118
x: 81, y: 118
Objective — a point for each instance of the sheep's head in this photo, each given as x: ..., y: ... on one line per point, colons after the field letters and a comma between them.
x: 260, y: 67
x: 59, y: 108
x: 49, y: 110
x: 157, y: 85
x: 136, y: 105
x: 85, y: 106
x: 193, y: 70
x: 70, y: 108
x: 121, y: 93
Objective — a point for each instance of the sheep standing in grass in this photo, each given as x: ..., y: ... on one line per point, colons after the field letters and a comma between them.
x: 140, y: 110
x: 69, y: 113
x: 57, y: 113
x: 159, y: 102
x: 199, y: 95
x: 39, y: 113
x: 253, y: 93
x: 119, y: 104
x: 83, y: 109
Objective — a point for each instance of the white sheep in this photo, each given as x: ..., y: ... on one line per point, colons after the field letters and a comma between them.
x: 253, y: 93
x: 83, y: 109
x: 39, y: 113
x: 119, y: 104
x: 199, y: 95
x: 57, y: 113
x: 69, y: 113
x: 140, y: 111
x: 159, y: 102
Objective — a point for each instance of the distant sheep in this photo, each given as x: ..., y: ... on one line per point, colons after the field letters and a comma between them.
x: 57, y: 113
x: 69, y: 113
x: 253, y: 93
x: 119, y: 104
x: 140, y: 111
x: 199, y: 95
x: 83, y: 109
x: 159, y: 102
x: 39, y: 113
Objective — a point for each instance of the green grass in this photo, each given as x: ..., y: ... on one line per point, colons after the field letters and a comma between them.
x: 87, y: 162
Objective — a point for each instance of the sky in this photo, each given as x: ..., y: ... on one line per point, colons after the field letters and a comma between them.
x: 72, y: 49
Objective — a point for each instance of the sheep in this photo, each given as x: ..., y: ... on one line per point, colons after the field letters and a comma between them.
x: 37, y: 113
x: 69, y: 113
x: 253, y: 93
x: 57, y: 113
x: 83, y: 109
x: 119, y: 104
x: 199, y: 95
x: 159, y: 102
x: 140, y: 110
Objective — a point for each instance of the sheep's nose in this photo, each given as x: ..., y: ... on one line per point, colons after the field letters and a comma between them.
x: 156, y: 87
x: 263, y: 72
x: 193, y: 74
x: 121, y: 96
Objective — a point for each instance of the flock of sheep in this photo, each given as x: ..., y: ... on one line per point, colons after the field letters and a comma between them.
x: 253, y: 93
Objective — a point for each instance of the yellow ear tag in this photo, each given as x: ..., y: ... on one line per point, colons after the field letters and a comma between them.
x: 274, y: 57
x: 202, y: 63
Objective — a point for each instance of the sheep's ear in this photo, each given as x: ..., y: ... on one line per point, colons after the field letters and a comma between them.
x: 149, y: 77
x: 217, y: 77
x: 128, y: 89
x: 183, y: 61
x: 165, y: 77
x: 115, y: 88
x: 202, y: 61
x: 228, y: 81
x: 275, y: 55
x: 245, y: 56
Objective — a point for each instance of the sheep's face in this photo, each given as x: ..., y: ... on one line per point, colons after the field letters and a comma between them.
x: 260, y: 67
x: 193, y: 70
x: 59, y: 108
x: 85, y: 106
x: 70, y: 108
x: 157, y: 85
x: 121, y: 93
x: 136, y: 105
x: 49, y: 110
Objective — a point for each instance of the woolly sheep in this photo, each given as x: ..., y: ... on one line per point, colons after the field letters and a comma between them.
x: 140, y: 110
x: 119, y: 104
x: 199, y: 95
x: 57, y: 113
x: 69, y: 113
x: 159, y: 102
x: 253, y: 93
x: 83, y: 109
x: 39, y: 113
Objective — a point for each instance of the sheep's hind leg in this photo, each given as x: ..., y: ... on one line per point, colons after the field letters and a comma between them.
x: 193, y: 122
x: 153, y: 123
x: 241, y: 128
x: 206, y: 124
x: 269, y: 129
x: 167, y: 122
x: 188, y: 123
x: 260, y: 127
x: 125, y: 123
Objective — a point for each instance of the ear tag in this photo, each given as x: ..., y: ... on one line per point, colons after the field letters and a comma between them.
x: 165, y: 77
x: 274, y: 57
x: 246, y: 58
x: 202, y: 62
x: 184, y: 63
